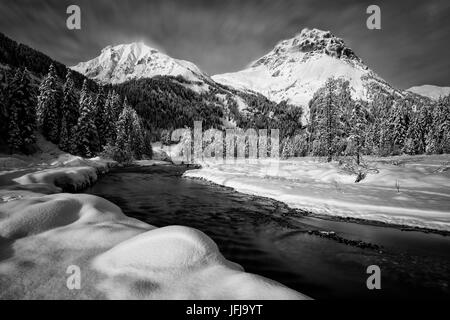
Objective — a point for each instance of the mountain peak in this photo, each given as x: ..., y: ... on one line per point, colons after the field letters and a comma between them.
x: 309, y: 42
x: 297, y: 67
x: 135, y: 60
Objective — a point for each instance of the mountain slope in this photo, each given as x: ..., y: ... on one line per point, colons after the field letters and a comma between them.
x: 430, y: 91
x: 298, y: 67
x: 15, y: 55
x: 124, y: 62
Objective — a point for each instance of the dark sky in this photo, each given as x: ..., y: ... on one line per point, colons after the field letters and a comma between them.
x: 226, y: 35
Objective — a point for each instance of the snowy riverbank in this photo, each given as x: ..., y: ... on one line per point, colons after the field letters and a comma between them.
x: 408, y: 191
x: 44, y: 234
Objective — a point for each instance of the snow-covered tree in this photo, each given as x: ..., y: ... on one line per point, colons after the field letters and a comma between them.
x: 137, y: 137
x: 48, y: 108
x: 22, y: 113
x: 109, y: 126
x: 325, y: 119
x: 86, y: 131
x: 414, y: 140
x: 438, y: 137
x: 130, y: 135
x: 70, y: 115
x: 101, y: 116
x: 115, y: 105
x: 3, y: 112
x: 66, y: 141
x: 358, y: 125
x: 124, y: 127
x: 85, y: 94
x: 399, y: 122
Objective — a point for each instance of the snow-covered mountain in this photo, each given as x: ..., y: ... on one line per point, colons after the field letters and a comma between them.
x: 117, y: 64
x: 297, y: 67
x: 430, y: 91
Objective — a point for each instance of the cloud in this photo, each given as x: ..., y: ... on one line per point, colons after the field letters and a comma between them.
x: 224, y: 36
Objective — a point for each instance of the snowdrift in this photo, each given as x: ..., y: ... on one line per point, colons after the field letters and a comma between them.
x: 45, y: 234
x: 119, y: 257
x: 408, y: 191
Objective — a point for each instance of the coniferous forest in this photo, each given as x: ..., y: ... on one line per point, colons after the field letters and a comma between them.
x: 85, y: 118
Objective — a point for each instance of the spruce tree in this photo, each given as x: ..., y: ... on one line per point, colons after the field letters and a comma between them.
x: 437, y: 140
x: 326, y: 119
x: 101, y: 116
x: 358, y: 126
x: 131, y: 139
x: 124, y: 127
x: 3, y: 112
x: 109, y: 129
x: 65, y: 141
x: 86, y: 131
x: 84, y: 95
x: 15, y: 140
x: 115, y: 105
x: 422, y: 125
x: 445, y: 125
x: 70, y: 115
x: 22, y: 113
x: 399, y: 121
x: 48, y: 109
x: 137, y: 136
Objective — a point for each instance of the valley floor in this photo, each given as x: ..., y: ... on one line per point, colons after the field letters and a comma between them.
x: 409, y: 191
x: 52, y: 241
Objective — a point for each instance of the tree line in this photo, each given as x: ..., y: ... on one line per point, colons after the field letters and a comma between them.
x: 87, y: 122
x: 388, y: 124
x: 80, y: 122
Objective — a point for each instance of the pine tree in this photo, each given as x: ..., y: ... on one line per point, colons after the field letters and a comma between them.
x: 358, y: 125
x: 15, y: 140
x: 70, y: 115
x: 399, y: 120
x: 101, y: 116
x: 137, y: 136
x: 422, y: 125
x: 115, y: 105
x: 124, y: 127
x: 437, y: 140
x: 48, y: 110
x: 86, y: 131
x: 382, y: 125
x: 22, y: 113
x: 65, y: 140
x: 109, y: 129
x: 130, y: 135
x: 3, y: 112
x: 84, y: 95
x: 326, y: 119
x: 413, y: 143
x: 445, y: 125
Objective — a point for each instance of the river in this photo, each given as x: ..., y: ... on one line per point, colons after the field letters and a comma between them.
x: 296, y: 249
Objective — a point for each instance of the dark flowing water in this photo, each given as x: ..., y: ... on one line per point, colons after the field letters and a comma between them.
x: 269, y: 239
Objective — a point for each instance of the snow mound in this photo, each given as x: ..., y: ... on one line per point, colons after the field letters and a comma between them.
x: 183, y: 248
x: 37, y: 214
x: 66, y: 178
x: 173, y: 260
x: 100, y: 164
x: 118, y: 257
